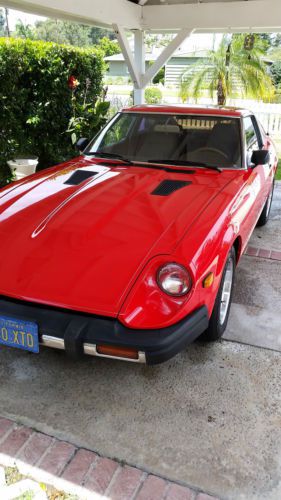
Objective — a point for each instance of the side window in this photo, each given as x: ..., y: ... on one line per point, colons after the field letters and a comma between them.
x: 252, y: 137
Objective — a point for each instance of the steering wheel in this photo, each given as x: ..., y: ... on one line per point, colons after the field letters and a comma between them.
x: 211, y: 150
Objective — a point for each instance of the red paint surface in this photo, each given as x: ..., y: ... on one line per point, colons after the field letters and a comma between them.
x: 176, y: 109
x: 96, y: 247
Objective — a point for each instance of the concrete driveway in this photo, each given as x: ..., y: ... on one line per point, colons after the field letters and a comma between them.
x: 210, y: 418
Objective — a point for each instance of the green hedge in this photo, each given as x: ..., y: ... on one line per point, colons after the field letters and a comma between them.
x: 153, y: 95
x: 38, y: 105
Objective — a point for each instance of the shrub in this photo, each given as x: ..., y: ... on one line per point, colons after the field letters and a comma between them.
x: 275, y: 71
x: 153, y: 95
x: 119, y: 80
x: 108, y: 80
x: 160, y: 76
x: 40, y: 109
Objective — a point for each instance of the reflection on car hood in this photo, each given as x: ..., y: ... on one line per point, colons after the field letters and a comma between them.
x: 82, y: 244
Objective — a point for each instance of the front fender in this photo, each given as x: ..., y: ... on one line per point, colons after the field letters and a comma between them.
x: 148, y: 307
x: 207, y: 252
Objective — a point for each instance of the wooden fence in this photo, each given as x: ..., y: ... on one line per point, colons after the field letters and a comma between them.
x: 268, y: 114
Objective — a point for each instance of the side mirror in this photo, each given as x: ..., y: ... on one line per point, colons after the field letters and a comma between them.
x: 260, y: 157
x: 82, y: 143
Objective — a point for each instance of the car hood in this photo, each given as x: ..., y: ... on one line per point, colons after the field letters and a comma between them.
x: 79, y: 242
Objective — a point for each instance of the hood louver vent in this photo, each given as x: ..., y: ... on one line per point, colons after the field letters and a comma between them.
x: 168, y: 187
x: 79, y: 176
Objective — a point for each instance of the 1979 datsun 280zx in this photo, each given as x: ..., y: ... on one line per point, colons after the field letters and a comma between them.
x: 129, y: 251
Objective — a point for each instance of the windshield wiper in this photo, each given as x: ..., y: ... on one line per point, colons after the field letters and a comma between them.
x: 112, y: 156
x: 187, y: 163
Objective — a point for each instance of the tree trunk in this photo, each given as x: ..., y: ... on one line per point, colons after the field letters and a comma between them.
x: 221, y: 94
x: 7, y: 22
x: 222, y: 90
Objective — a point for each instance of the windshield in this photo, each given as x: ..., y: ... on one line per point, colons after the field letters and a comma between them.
x: 157, y: 136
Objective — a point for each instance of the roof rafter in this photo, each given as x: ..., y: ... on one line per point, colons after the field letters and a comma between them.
x: 92, y: 12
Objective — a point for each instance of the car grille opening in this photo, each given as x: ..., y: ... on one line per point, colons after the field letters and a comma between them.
x: 168, y: 187
x: 79, y: 176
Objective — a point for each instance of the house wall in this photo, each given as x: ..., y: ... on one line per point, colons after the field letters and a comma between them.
x: 119, y: 68
x: 175, y: 67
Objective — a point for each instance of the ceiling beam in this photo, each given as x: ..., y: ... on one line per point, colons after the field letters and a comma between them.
x: 165, y: 56
x: 92, y: 12
x: 128, y: 55
x: 253, y: 15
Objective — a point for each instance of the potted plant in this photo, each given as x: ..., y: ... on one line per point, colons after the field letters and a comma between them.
x: 23, y: 166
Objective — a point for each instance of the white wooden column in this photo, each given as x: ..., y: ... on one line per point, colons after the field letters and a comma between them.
x: 136, y: 60
x: 140, y: 64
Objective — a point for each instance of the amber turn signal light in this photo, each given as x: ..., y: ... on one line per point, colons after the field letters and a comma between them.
x: 208, y: 281
x: 120, y: 352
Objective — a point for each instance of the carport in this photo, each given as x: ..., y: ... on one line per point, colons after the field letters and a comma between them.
x: 209, y: 418
x: 180, y: 17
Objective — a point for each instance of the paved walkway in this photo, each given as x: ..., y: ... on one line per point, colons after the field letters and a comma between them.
x: 80, y: 471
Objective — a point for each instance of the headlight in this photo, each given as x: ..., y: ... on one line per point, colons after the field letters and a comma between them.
x: 174, y: 279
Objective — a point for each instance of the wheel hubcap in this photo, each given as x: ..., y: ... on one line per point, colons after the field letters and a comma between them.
x: 226, y: 291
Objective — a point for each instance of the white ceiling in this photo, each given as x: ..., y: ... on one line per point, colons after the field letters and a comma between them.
x: 156, y: 15
x: 174, y: 2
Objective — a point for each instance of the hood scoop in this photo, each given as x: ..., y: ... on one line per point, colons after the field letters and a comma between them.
x: 79, y: 176
x: 168, y: 187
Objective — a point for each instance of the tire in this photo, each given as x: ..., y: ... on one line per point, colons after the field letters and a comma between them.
x: 264, y: 216
x: 219, y: 318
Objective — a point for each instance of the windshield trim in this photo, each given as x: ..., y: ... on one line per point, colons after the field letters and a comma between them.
x: 206, y: 115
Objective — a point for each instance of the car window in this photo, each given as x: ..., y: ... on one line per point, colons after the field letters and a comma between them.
x: 212, y: 139
x: 262, y: 132
x: 251, y: 138
x: 118, y: 132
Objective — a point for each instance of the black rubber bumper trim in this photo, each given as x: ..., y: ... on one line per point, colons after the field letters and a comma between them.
x: 78, y: 328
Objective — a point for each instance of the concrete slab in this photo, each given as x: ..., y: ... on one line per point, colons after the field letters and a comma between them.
x: 255, y: 316
x: 254, y: 326
x: 211, y: 417
x: 269, y: 236
x: 258, y: 283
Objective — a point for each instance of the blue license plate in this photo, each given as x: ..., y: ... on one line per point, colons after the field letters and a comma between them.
x: 19, y: 333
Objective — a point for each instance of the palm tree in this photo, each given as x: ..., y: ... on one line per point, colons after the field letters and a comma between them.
x: 231, y: 70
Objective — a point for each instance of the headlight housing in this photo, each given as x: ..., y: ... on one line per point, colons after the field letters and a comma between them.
x: 173, y: 279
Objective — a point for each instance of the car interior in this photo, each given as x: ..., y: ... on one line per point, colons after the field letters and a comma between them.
x: 155, y: 137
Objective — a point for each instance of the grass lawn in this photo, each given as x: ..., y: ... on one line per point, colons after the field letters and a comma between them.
x: 13, y: 476
x: 278, y: 173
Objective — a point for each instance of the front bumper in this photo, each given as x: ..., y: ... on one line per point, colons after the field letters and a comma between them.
x: 80, y: 333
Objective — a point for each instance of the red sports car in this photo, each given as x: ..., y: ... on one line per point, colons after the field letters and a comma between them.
x: 129, y: 251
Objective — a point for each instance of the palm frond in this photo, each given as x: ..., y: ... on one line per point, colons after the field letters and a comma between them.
x: 237, y: 70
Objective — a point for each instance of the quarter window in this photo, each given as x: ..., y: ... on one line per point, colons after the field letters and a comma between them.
x: 252, y: 141
x: 252, y: 137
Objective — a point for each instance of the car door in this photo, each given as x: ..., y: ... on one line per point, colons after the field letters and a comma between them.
x: 248, y: 205
x: 269, y: 145
x: 259, y: 175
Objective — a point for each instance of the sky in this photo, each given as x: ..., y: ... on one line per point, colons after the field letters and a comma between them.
x: 14, y: 15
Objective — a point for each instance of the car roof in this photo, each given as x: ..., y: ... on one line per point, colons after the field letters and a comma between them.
x: 194, y: 110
